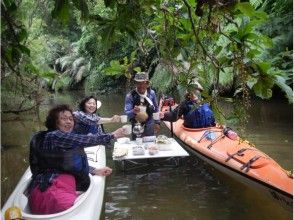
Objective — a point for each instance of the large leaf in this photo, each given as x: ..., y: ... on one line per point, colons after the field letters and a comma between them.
x: 162, y: 79
x: 115, y: 68
x: 249, y: 11
x: 226, y: 76
x: 263, y: 87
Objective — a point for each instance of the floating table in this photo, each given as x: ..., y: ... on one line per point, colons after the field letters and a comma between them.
x: 162, y: 157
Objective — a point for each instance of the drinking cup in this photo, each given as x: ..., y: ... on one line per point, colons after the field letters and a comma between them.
x: 123, y: 118
x: 139, y: 141
x: 156, y: 116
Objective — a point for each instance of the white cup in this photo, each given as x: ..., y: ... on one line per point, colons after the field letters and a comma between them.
x: 142, y: 108
x: 127, y: 129
x: 123, y: 118
x: 156, y: 116
x: 139, y: 141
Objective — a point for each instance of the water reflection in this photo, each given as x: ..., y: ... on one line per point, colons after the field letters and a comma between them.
x: 192, y: 191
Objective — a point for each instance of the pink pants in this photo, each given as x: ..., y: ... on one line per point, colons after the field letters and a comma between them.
x: 58, y: 197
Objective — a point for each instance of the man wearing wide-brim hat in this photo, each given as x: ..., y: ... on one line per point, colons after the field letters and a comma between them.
x: 141, y: 103
x: 195, y: 112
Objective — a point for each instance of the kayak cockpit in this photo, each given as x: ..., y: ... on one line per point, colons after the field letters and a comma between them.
x: 21, y: 201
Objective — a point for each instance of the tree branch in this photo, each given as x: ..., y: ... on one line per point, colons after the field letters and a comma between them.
x: 213, y: 59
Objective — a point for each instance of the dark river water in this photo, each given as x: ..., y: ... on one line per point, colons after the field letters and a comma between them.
x: 193, y: 190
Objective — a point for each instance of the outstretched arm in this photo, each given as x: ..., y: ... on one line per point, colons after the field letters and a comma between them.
x: 104, y: 171
x: 172, y: 115
x: 113, y: 119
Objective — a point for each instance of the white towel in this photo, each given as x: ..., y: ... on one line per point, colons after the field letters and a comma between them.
x: 144, y: 96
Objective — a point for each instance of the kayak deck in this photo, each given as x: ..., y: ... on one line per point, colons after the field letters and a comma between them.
x: 238, y: 156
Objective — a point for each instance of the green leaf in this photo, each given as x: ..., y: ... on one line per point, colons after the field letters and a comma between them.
x: 22, y: 35
x: 48, y: 75
x: 114, y: 69
x: 250, y: 36
x: 245, y: 8
x: 263, y: 88
x: 253, y: 53
x: 266, y: 40
x: 217, y: 50
x: 263, y: 67
x: 137, y: 69
x: 251, y: 82
x: 186, y: 24
x: 31, y: 68
x: 61, y: 10
x: 24, y: 49
x: 226, y: 76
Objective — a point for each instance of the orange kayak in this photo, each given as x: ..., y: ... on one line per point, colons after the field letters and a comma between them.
x: 236, y: 157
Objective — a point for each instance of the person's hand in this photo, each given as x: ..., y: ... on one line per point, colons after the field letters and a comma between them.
x: 161, y: 115
x: 119, y: 133
x: 115, y: 118
x: 104, y: 171
x: 156, y: 128
x: 127, y: 129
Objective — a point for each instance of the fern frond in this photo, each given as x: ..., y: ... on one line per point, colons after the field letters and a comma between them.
x: 79, y: 75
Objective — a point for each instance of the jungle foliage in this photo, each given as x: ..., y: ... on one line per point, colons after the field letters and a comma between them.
x: 233, y: 48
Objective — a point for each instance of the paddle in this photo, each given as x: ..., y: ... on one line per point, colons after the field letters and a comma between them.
x: 170, y: 103
x: 171, y: 123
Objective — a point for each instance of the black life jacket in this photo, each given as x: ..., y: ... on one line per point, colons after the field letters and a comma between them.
x: 73, y: 161
x: 137, y: 101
